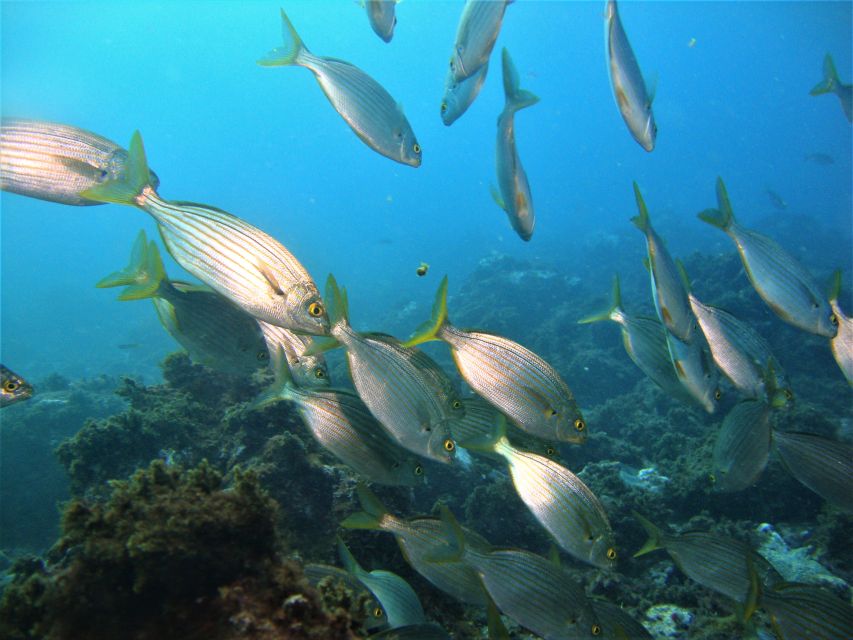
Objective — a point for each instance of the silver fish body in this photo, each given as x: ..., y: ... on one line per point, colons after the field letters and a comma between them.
x: 842, y: 343
x: 476, y: 35
x: 460, y: 94
x: 307, y: 370
x: 629, y: 88
x: 515, y: 198
x: 380, y: 13
x: 13, y: 388
x: 803, y: 612
x: 742, y: 446
x: 825, y: 466
x: 57, y: 162
x: 364, y: 104
x: 694, y: 367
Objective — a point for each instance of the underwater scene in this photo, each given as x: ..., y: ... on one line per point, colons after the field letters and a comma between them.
x: 426, y: 319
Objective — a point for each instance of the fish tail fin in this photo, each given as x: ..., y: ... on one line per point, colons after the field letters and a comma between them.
x: 641, y: 221
x: 496, y: 626
x: 142, y: 276
x: 283, y: 379
x: 453, y: 535
x: 615, y: 305
x: 430, y: 329
x: 829, y: 83
x: 348, y: 560
x: 125, y: 188
x: 654, y: 542
x: 516, y: 97
x: 835, y: 287
x: 289, y: 52
x: 722, y: 217
x: 372, y: 514
x: 487, y: 441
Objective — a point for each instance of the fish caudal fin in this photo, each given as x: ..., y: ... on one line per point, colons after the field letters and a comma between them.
x: 142, y: 276
x: 516, y: 97
x: 723, y: 217
x: 372, y: 514
x: 641, y: 221
x: 829, y: 84
x: 289, y: 52
x: 615, y: 305
x: 126, y: 188
x: 430, y: 329
x: 654, y: 541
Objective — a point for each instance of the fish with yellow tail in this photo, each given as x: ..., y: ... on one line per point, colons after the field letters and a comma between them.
x: 832, y: 84
x: 231, y: 256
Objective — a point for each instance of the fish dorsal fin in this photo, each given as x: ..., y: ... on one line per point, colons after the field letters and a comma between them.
x: 269, y: 276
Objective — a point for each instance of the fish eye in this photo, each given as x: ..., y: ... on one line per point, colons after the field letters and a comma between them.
x: 377, y: 612
x: 580, y: 425
x: 596, y: 630
x: 315, y: 309
x: 611, y: 554
x: 834, y: 320
x: 10, y: 385
x: 789, y: 395
x: 718, y: 394
x: 444, y: 107
x: 456, y: 404
x: 449, y: 445
x: 319, y: 373
x: 419, y: 470
x: 416, y: 148
x: 550, y: 451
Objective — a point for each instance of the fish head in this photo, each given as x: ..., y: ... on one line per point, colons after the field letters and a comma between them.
x: 569, y: 425
x: 602, y: 550
x: 441, y: 445
x: 14, y: 388
x: 827, y: 320
x: 408, y: 472
x: 459, y: 94
x: 304, y: 309
x: 409, y: 149
x: 310, y: 371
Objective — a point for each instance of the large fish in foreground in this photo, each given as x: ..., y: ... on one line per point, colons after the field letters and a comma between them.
x: 14, y: 388
x: 842, y: 343
x: 742, y: 446
x: 57, y: 162
x: 514, y: 379
x: 234, y: 258
x: 832, y: 84
x: 514, y: 196
x: 629, y: 88
x: 363, y: 103
x: 781, y: 281
x: 476, y: 35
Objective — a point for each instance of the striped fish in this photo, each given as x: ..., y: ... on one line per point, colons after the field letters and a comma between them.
x: 695, y: 368
x: 842, y: 343
x: 307, y: 370
x: 668, y: 288
x: 742, y: 446
x: 742, y: 355
x: 825, y: 466
x: 13, y: 388
x: 343, y: 425
x: 629, y: 88
x: 616, y: 623
x: 234, y: 258
x: 717, y: 562
x: 460, y: 94
x: 57, y: 162
x: 404, y: 388
x: 476, y: 35
x: 398, y: 599
x: 321, y: 575
x: 380, y: 13
x: 363, y: 103
x: 806, y: 612
x: 514, y: 379
x: 514, y: 196
x: 213, y: 330
x: 781, y: 281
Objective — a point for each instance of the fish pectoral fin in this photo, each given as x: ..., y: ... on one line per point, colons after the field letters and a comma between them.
x: 679, y: 369
x: 496, y: 196
x: 82, y: 168
x: 666, y: 316
x: 269, y: 276
x: 541, y: 402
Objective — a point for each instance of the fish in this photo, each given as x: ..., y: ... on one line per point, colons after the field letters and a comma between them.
x: 742, y: 355
x: 15, y: 388
x: 695, y: 368
x: 616, y: 624
x: 629, y: 89
x: 823, y: 159
x: 342, y: 424
x: 214, y: 331
x: 398, y: 599
x: 307, y: 370
x: 460, y: 94
x: 832, y: 84
x: 319, y: 575
x: 422, y: 539
x: 57, y: 162
x: 364, y: 104
x: 404, y: 388
x: 668, y: 289
x: 380, y: 13
x: 776, y: 200
x: 514, y: 196
x: 645, y: 343
x: 231, y: 256
x: 422, y: 269
x: 742, y: 446
x: 782, y: 282
x: 476, y: 35
x: 556, y: 497
x: 715, y: 561
x: 825, y: 466
x: 807, y: 612
x: 514, y: 379
x: 426, y: 631
x: 842, y: 343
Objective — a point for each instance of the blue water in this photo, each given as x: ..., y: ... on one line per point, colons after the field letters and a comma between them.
x: 264, y: 144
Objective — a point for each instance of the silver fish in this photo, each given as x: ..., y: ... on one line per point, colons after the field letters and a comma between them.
x: 234, y: 258
x: 57, y: 162
x: 742, y: 355
x: 307, y: 370
x: 616, y: 624
x: 807, y: 612
x: 214, y: 331
x: 460, y: 94
x: 13, y: 388
x: 514, y: 196
x: 742, y: 446
x: 629, y: 88
x: 824, y: 466
x: 514, y: 379
x: 476, y: 35
x: 781, y: 281
x: 363, y: 103
x: 380, y: 13
x: 842, y: 343
x: 832, y: 84
x: 695, y: 368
